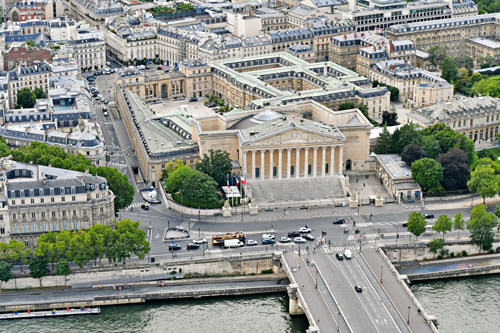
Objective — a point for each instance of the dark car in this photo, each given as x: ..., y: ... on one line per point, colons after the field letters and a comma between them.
x: 147, y: 67
x: 211, y: 105
x: 339, y: 221
x: 358, y: 289
x: 145, y: 206
x: 429, y: 216
x: 159, y: 68
x: 309, y: 237
x: 293, y: 234
x: 268, y: 241
x: 193, y: 99
x: 174, y: 247
x: 192, y: 246
x: 339, y: 256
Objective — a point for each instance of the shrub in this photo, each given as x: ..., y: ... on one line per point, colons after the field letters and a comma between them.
x: 452, y: 255
x: 440, y: 256
x: 266, y: 271
x: 173, y: 272
x: 497, y: 250
x: 464, y: 253
x: 491, y: 251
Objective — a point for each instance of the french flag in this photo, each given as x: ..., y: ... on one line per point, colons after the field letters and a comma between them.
x: 228, y: 183
x: 243, y: 180
x: 237, y: 181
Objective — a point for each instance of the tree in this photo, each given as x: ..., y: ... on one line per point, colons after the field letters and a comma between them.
x: 407, y: 134
x: 449, y: 70
x: 184, y: 7
x: 38, y: 268
x: 484, y: 181
x: 455, y: 169
x: 394, y: 93
x: 384, y: 142
x: 39, y: 93
x: 416, y: 223
x: 431, y: 146
x: 17, y: 251
x: 171, y: 167
x: 389, y: 118
x: 200, y: 187
x: 412, y: 153
x: 176, y: 179
x: 347, y: 106
x: 46, y: 247
x: 428, y: 173
x: 458, y: 223
x: 497, y: 211
x: 437, y: 53
x: 443, y: 224
x: 217, y: 164
x: 119, y: 185
x: 435, y: 245
x: 480, y: 226
x: 130, y: 239
x: 465, y: 62
x: 25, y: 98
x: 63, y: 269
x: 5, y: 272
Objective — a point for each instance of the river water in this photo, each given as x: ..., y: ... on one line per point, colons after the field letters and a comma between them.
x: 463, y: 304
x: 256, y: 313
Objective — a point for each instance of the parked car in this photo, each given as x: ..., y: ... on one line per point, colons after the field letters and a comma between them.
x: 268, y: 236
x: 159, y: 68
x: 193, y: 99
x: 141, y: 67
x: 339, y: 256
x: 105, y: 101
x: 305, y: 230
x: 358, y: 289
x: 285, y: 240
x: 147, y: 67
x: 293, y: 234
x: 199, y: 240
x: 267, y: 241
x: 211, y: 105
x: 308, y: 237
x: 145, y: 206
x: 339, y: 221
x: 191, y: 246
x: 429, y: 216
x: 348, y: 254
x: 174, y: 247
x: 252, y: 242
x: 299, y: 240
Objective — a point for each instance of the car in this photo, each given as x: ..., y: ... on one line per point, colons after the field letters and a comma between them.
x: 192, y: 246
x: 105, y: 113
x: 145, y: 206
x: 358, y: 289
x: 141, y: 67
x: 167, y: 70
x: 299, y: 240
x: 348, y: 254
x: 268, y: 236
x: 159, y: 68
x: 105, y: 101
x: 108, y: 63
x: 339, y: 256
x: 199, y: 240
x: 293, y: 234
x: 108, y: 158
x: 94, y: 95
x: 339, y: 221
x: 429, y: 216
x: 305, y: 230
x: 147, y: 67
x: 193, y: 99
x: 308, y: 237
x: 405, y: 224
x: 174, y: 247
x: 267, y: 241
x: 252, y: 242
x: 285, y: 240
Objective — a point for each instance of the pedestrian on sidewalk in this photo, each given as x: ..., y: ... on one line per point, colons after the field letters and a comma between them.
x: 299, y: 266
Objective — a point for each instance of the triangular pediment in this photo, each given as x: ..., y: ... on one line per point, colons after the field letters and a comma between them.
x: 295, y: 136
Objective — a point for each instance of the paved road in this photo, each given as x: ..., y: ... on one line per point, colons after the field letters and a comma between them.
x: 396, y: 292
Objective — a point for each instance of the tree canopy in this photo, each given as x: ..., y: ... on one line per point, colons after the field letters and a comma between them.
x: 480, y: 226
x: 437, y: 53
x: 38, y: 267
x: 5, y: 271
x: 26, y: 98
x: 428, y: 173
x: 217, y: 164
x: 389, y: 118
x: 412, y: 153
x: 455, y: 169
x: 484, y: 181
x: 435, y: 245
x: 416, y: 223
x: 449, y: 70
x: 193, y: 185
x: 443, y: 224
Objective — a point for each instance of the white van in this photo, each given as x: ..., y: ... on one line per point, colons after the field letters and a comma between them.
x: 230, y: 243
x: 348, y: 254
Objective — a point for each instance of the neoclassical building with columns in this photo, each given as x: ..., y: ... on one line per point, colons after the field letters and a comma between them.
x: 304, y: 140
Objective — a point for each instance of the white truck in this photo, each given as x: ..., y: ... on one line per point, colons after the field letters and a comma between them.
x: 230, y: 243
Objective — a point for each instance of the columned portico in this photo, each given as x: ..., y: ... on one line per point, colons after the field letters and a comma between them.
x: 306, y: 162
x: 280, y: 164
x: 271, y: 164
x: 253, y: 163
x: 297, y: 162
x: 262, y: 164
x: 332, y: 161
x: 341, y: 153
x: 323, y: 161
x: 288, y: 162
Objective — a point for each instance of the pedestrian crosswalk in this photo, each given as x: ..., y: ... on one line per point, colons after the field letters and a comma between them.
x: 134, y: 205
x: 117, y: 165
x: 328, y: 250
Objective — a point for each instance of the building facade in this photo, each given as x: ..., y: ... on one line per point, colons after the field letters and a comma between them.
x: 38, y: 199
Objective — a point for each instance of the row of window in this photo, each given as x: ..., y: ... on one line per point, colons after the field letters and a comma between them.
x: 43, y: 214
x: 42, y: 200
x: 44, y: 227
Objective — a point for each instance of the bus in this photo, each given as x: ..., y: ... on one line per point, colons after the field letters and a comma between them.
x: 219, y: 239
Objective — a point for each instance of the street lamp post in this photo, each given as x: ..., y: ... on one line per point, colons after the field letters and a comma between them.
x: 150, y: 231
x: 316, y: 267
x: 199, y: 233
x: 408, y: 321
x: 381, y: 273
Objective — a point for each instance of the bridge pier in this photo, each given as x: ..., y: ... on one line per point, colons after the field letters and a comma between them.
x: 294, y: 309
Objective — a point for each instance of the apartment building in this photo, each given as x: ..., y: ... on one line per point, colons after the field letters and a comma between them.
x: 35, y: 76
x: 37, y: 199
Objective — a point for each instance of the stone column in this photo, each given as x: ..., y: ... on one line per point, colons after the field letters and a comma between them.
x: 271, y: 152
x: 253, y: 164
x: 297, y: 162
x: 288, y: 163
x: 315, y: 161
x: 323, y: 161
x: 280, y: 163
x: 262, y: 166
x: 341, y: 160
x: 244, y: 160
x: 332, y: 161
x: 306, y: 161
